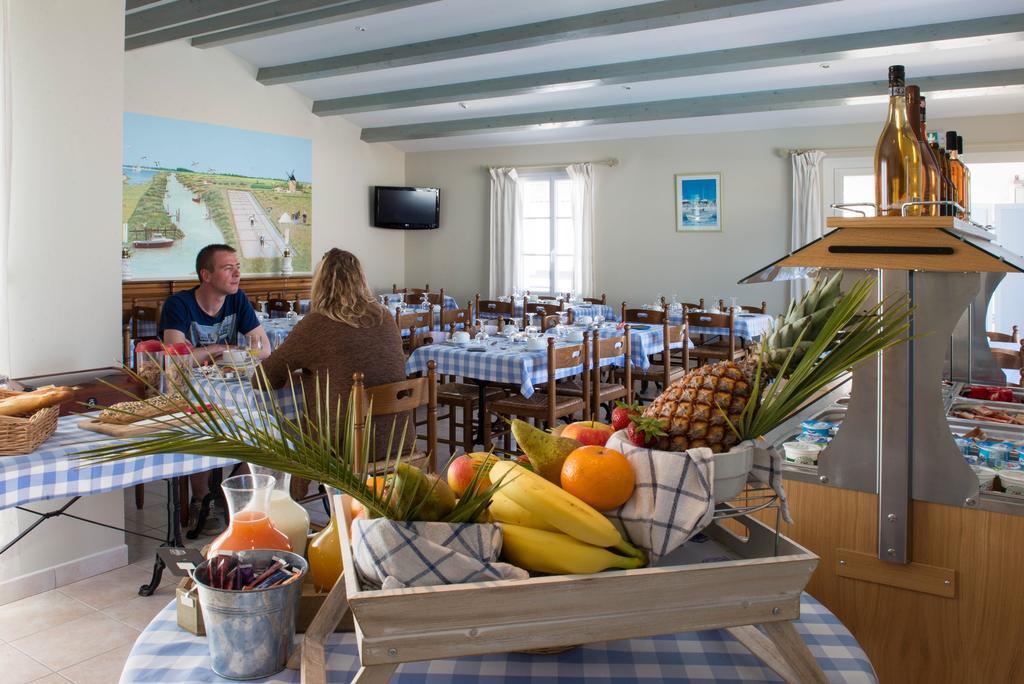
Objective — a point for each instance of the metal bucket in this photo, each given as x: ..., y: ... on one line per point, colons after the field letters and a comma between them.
x: 251, y: 632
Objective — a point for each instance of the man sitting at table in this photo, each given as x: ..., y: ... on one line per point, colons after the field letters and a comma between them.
x: 211, y: 316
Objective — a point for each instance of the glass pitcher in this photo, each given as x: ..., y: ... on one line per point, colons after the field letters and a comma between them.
x: 285, y: 513
x: 248, y: 498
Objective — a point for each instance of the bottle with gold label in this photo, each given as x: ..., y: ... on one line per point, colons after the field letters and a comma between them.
x: 898, y: 167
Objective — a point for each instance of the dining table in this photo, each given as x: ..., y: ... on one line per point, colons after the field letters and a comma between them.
x: 164, y: 652
x: 579, y: 310
x: 746, y: 325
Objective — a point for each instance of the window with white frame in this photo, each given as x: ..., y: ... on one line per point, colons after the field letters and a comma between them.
x: 547, y: 254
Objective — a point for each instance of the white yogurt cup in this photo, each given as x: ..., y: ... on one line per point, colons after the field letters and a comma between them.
x: 1012, y: 481
x: 802, y: 452
x: 986, y: 477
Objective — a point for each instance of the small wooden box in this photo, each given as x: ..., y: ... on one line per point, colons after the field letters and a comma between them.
x: 190, y: 615
x: 92, y: 387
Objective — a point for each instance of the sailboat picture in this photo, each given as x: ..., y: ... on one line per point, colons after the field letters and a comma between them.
x: 698, y: 202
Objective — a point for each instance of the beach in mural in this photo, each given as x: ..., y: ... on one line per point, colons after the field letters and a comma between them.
x: 188, y: 184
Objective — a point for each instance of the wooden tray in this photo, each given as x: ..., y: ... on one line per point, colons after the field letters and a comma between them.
x: 424, y: 623
x: 142, y: 427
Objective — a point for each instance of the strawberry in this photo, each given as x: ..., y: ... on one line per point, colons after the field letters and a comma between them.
x: 622, y: 412
x: 644, y: 432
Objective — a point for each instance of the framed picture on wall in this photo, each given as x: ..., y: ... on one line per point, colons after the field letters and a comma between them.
x: 698, y: 199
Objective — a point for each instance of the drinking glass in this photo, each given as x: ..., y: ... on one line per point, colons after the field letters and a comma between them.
x: 732, y: 303
x: 255, y: 346
x: 598, y: 320
x: 291, y: 310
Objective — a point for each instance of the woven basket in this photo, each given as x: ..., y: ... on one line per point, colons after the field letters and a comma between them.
x: 22, y: 434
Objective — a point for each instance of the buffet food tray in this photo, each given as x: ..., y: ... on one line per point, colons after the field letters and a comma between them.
x: 759, y: 584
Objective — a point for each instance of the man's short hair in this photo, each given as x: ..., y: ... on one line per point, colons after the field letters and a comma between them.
x: 205, y: 257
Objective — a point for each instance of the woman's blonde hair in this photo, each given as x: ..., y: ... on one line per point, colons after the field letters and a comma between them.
x: 340, y: 291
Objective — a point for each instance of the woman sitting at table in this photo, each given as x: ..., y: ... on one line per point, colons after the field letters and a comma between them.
x: 346, y: 331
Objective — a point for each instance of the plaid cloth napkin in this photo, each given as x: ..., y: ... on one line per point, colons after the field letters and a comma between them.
x: 673, y: 499
x: 768, y: 469
x: 390, y: 554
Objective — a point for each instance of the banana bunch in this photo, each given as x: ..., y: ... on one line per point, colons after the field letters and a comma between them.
x: 547, y: 529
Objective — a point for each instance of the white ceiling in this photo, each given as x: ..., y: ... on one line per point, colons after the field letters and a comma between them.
x: 446, y: 18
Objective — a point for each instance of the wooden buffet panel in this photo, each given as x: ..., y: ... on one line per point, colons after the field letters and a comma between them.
x: 919, y: 635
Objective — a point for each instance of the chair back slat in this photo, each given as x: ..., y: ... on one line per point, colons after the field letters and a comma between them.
x: 603, y: 299
x: 549, y: 321
x: 461, y: 317
x: 609, y: 348
x: 493, y: 306
x: 559, y: 358
x: 642, y: 315
x: 1012, y: 336
x: 414, y: 320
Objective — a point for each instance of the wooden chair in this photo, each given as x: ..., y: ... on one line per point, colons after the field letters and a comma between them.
x: 549, y: 321
x: 1011, y: 359
x: 662, y: 370
x: 457, y: 317
x: 604, y: 393
x: 409, y: 290
x: 722, y: 347
x: 549, y: 405
x: 540, y: 308
x: 397, y: 397
x: 279, y: 307
x: 141, y: 312
x: 603, y: 299
x: 648, y: 316
x: 416, y: 298
x: 415, y: 320
x: 693, y: 306
x: 501, y: 310
x: 763, y: 309
x: 1013, y: 336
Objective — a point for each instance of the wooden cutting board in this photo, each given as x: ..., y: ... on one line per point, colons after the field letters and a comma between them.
x: 142, y: 427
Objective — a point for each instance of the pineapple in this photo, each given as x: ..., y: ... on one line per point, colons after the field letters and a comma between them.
x: 688, y: 409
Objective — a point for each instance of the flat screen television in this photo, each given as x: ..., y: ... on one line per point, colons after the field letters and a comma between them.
x: 406, y: 208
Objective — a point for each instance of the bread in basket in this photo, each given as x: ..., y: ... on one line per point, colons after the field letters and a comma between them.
x: 28, y: 418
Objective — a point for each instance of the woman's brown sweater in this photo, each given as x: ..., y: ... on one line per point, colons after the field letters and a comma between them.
x: 324, y: 348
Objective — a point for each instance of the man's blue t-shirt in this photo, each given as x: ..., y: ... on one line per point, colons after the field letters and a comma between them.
x: 182, y: 312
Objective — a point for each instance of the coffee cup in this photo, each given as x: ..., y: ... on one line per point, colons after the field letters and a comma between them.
x: 537, y: 343
x: 584, y: 320
x: 460, y: 337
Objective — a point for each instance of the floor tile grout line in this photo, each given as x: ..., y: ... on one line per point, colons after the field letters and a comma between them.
x: 97, y: 655
x: 34, y: 660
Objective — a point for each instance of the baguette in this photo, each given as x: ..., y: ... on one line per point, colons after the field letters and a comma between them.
x: 127, y: 412
x: 30, y: 402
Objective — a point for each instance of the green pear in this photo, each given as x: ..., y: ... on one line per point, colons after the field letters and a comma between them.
x: 547, y: 452
x: 423, y: 497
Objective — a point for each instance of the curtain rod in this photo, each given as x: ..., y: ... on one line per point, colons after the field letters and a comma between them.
x: 610, y: 162
x: 868, y: 151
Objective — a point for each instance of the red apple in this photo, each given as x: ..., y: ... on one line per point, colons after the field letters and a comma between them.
x: 462, y: 469
x: 588, y: 432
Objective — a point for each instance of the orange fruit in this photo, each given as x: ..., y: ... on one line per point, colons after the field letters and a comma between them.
x: 600, y: 477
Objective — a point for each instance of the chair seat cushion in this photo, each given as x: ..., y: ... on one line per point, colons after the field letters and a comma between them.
x: 537, y: 404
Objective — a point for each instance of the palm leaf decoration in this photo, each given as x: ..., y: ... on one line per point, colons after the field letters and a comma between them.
x: 312, y: 445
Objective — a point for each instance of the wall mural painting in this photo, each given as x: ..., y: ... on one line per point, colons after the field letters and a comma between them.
x: 188, y: 184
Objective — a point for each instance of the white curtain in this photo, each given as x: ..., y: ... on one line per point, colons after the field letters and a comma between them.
x: 808, y: 217
x: 506, y: 231
x: 581, y: 177
x: 5, y: 183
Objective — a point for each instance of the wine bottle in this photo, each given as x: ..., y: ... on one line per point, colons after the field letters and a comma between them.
x: 967, y: 177
x: 956, y: 171
x: 930, y: 179
x: 898, y: 167
x: 947, y: 193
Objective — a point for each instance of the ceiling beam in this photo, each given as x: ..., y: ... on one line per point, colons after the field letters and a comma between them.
x: 340, y: 11
x: 179, y: 12
x: 266, y: 19
x: 643, y: 17
x: 825, y: 49
x: 738, y: 103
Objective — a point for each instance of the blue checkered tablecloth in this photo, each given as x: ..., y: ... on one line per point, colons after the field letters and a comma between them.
x: 166, y: 653
x: 498, y: 360
x: 54, y: 472
x: 748, y: 326
x: 579, y: 309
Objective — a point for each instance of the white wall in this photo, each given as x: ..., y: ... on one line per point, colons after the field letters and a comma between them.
x: 67, y: 72
x: 638, y: 252
x: 214, y: 86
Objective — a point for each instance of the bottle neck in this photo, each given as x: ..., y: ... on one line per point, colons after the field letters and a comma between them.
x: 898, y: 104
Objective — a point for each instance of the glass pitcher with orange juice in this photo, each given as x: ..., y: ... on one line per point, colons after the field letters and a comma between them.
x: 250, y: 527
x: 324, y: 550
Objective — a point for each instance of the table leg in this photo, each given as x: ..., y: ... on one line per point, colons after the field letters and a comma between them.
x: 374, y: 674
x: 205, y: 506
x: 173, y: 538
x: 794, y: 649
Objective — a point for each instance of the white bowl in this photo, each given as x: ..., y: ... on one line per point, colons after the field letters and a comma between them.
x: 461, y: 337
x: 234, y: 357
x: 584, y: 320
x: 537, y: 343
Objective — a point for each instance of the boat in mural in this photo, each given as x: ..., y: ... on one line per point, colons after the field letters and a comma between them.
x: 158, y: 241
